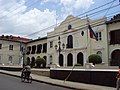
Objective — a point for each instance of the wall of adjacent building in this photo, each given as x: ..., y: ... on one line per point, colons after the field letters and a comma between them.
x: 5, y: 52
x: 112, y: 27
x: 36, y: 43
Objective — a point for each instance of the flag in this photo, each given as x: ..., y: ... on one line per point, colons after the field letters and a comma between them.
x: 92, y: 33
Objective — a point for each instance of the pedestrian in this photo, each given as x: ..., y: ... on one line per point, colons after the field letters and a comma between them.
x: 118, y: 80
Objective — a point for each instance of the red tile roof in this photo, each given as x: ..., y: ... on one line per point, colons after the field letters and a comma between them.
x: 14, y: 38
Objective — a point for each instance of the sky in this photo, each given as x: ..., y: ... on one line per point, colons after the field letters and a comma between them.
x: 29, y: 18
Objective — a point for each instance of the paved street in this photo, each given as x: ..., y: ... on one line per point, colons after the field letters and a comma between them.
x: 14, y: 83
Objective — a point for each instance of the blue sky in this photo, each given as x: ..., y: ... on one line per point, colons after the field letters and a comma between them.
x: 24, y: 17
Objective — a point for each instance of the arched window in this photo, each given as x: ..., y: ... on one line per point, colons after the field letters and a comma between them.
x: 45, y: 57
x: 99, y: 53
x: 33, y: 49
x: 69, y: 27
x: 39, y: 48
x: 28, y: 61
x: 70, y: 41
x: 10, y: 60
x: 32, y: 63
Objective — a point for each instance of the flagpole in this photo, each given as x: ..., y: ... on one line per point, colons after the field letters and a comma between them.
x: 87, y: 37
x: 88, y: 40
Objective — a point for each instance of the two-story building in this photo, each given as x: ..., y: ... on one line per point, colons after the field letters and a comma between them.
x: 12, y: 49
x: 113, y: 27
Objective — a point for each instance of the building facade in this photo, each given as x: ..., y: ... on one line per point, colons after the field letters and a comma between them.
x: 70, y: 42
x: 114, y: 40
x: 11, y: 50
x: 36, y: 48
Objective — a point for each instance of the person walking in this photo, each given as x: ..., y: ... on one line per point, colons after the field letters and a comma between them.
x: 118, y: 80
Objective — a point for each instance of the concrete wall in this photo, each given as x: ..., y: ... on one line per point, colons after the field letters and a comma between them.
x: 90, y: 76
x: 41, y: 72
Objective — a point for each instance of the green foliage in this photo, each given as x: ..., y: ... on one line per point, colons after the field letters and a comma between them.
x: 95, y: 59
x: 40, y: 62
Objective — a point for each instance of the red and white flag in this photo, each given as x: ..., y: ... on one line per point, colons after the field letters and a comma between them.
x: 92, y: 33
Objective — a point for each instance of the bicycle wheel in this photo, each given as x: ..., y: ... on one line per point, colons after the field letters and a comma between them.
x: 30, y: 79
x: 22, y: 79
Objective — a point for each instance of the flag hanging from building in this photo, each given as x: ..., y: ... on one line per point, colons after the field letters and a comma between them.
x: 92, y: 33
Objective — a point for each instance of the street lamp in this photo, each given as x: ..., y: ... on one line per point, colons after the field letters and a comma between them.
x: 58, y: 48
x: 23, y: 52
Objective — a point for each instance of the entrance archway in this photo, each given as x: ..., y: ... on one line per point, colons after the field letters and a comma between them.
x: 32, y: 61
x: 61, y: 60
x: 115, y: 58
x: 80, y: 58
x: 70, y: 60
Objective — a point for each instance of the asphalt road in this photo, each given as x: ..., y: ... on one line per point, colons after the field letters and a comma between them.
x: 13, y: 83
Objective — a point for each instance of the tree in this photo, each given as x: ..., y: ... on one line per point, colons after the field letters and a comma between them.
x: 95, y: 59
x: 40, y: 62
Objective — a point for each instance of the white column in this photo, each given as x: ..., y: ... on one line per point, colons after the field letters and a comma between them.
x: 74, y: 58
x: 85, y: 57
x: 65, y: 60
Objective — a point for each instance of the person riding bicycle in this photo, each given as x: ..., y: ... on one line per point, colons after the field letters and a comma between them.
x: 26, y: 71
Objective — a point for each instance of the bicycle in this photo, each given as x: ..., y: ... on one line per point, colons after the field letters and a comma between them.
x: 24, y: 78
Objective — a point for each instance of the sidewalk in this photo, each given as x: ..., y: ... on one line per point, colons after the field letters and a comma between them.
x: 68, y: 84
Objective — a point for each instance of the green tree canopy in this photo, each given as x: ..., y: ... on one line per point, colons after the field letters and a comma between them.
x: 40, y: 62
x: 95, y: 59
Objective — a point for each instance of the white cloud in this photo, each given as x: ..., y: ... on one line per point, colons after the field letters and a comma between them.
x: 16, y: 19
x: 71, y: 6
x: 46, y: 1
x: 19, y: 22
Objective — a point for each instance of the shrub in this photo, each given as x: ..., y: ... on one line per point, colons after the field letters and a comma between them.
x: 95, y: 59
x: 40, y: 62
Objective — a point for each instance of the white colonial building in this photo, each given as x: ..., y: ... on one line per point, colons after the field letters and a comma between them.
x: 70, y: 43
x: 72, y: 35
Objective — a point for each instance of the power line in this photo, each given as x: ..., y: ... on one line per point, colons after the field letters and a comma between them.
x: 70, y: 19
x: 15, y: 8
x: 109, y: 8
x: 98, y: 23
x: 74, y: 19
x: 18, y: 8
